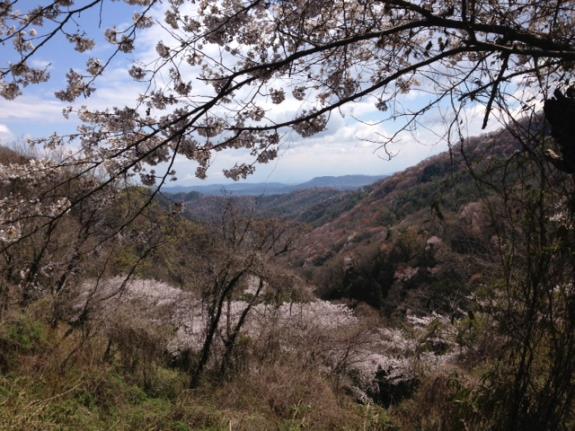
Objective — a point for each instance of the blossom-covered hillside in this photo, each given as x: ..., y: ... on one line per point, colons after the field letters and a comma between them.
x: 422, y: 239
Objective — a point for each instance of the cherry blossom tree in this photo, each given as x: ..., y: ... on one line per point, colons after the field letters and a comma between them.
x: 245, y: 56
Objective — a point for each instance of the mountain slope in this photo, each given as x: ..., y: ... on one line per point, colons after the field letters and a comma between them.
x: 420, y: 240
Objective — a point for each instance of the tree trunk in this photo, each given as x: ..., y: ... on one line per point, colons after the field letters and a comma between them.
x: 216, y: 312
x: 231, y: 342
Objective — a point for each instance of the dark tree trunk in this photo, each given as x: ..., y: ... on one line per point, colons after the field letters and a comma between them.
x: 216, y: 313
x: 231, y: 341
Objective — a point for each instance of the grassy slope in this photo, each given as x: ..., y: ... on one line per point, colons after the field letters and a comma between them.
x: 92, y: 394
x: 58, y: 379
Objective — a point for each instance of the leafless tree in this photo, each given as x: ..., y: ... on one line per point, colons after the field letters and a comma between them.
x: 238, y: 248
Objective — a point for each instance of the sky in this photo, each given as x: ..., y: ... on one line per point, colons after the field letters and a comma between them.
x: 346, y: 147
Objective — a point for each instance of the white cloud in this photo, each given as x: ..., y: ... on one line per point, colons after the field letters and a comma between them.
x: 5, y: 134
x: 30, y: 108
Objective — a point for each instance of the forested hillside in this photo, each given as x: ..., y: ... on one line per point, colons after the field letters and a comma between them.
x: 422, y: 239
x: 314, y: 207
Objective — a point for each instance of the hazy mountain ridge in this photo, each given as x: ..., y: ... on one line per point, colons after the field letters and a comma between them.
x: 313, y: 202
x: 342, y: 183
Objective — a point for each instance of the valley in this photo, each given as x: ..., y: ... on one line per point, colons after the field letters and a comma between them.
x: 377, y: 294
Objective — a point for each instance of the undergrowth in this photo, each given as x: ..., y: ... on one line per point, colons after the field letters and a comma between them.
x: 90, y: 393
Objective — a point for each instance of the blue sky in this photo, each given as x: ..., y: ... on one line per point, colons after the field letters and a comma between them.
x: 340, y: 150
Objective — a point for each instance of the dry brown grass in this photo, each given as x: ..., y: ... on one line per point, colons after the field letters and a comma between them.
x: 90, y: 393
x: 445, y: 401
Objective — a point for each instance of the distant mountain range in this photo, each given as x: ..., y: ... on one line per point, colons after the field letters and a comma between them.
x: 341, y: 183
